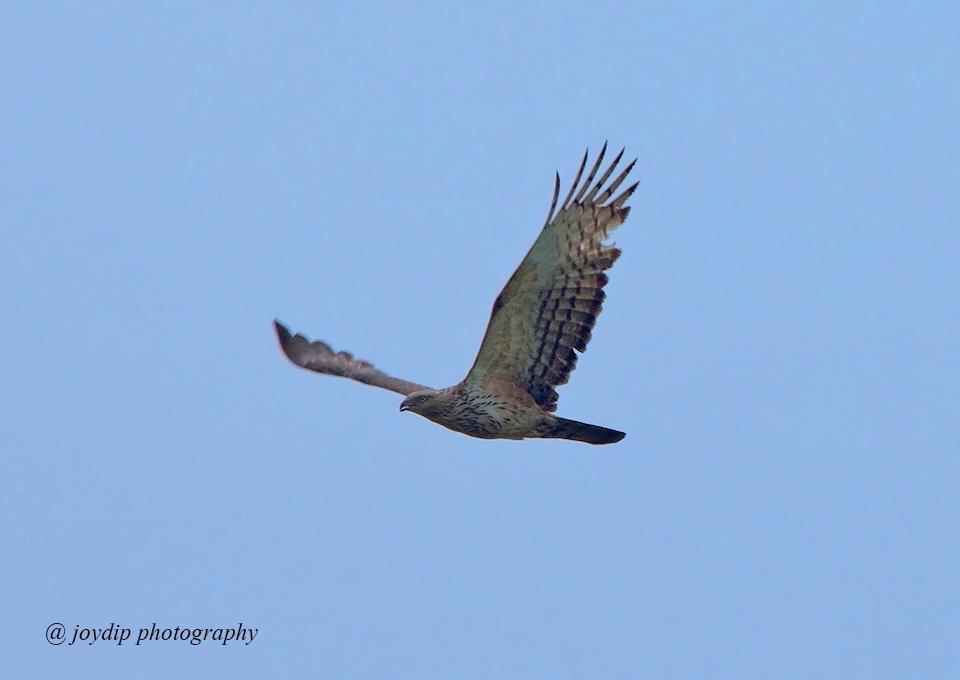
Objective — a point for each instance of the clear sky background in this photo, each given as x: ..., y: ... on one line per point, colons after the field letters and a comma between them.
x: 780, y: 340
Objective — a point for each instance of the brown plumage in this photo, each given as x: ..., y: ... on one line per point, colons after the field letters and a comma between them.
x: 540, y: 321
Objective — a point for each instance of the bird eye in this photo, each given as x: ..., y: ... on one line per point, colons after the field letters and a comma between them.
x: 422, y: 398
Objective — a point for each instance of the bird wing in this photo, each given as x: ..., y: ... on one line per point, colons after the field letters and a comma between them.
x: 320, y: 357
x: 547, y: 310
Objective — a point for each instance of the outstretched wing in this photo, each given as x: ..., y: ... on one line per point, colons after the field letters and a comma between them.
x: 318, y: 356
x: 547, y: 310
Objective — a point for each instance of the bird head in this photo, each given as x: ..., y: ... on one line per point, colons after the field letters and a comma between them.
x: 419, y: 402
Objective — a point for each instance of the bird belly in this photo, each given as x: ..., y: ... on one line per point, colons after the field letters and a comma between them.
x: 487, y: 417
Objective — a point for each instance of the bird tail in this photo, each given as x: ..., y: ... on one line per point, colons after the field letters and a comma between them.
x: 583, y: 432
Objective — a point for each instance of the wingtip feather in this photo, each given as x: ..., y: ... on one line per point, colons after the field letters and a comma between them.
x: 283, y: 333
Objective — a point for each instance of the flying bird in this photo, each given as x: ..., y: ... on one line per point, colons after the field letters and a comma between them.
x: 542, y: 318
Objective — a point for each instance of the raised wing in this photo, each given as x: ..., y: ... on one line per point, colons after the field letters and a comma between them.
x: 546, y: 312
x: 320, y: 357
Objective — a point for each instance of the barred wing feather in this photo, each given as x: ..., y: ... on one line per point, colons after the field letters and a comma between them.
x: 546, y: 312
x: 319, y: 356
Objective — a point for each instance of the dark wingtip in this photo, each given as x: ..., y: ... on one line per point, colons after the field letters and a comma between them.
x: 285, y: 339
x: 283, y: 334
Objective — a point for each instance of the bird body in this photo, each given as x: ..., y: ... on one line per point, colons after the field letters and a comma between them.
x: 540, y: 321
x: 502, y: 411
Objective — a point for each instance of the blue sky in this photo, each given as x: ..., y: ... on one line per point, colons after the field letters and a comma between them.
x: 780, y: 340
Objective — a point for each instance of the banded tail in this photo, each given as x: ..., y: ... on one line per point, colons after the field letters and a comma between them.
x: 584, y: 432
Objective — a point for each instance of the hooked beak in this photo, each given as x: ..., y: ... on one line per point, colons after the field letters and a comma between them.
x: 404, y: 407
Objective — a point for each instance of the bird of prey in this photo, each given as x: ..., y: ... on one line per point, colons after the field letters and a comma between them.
x: 540, y: 320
